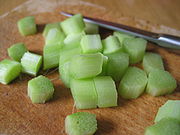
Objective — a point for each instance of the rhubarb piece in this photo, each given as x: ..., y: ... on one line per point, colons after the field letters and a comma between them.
x: 84, y: 93
x: 86, y: 65
x: 133, y: 83
x: 81, y: 123
x: 73, y: 25
x: 171, y: 109
x: 27, y: 26
x: 135, y: 47
x: 16, y: 51
x: 117, y: 65
x: 9, y: 70
x: 152, y: 61
x: 31, y: 63
x: 160, y: 83
x: 91, y: 44
x: 40, y: 89
x: 106, y: 91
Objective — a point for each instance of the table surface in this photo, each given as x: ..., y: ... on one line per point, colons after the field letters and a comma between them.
x: 19, y: 116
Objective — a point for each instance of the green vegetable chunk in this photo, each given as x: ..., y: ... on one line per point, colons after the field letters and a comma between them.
x: 40, y: 89
x: 81, y: 123
x: 133, y: 83
x: 84, y: 93
x: 73, y: 40
x: 91, y: 44
x: 27, y: 26
x: 171, y: 109
x: 160, y: 83
x: 49, y: 27
x: 9, y: 70
x: 64, y: 74
x: 111, y: 45
x: 51, y: 56
x: 91, y: 28
x: 67, y: 54
x: 121, y: 36
x: 16, y: 51
x: 55, y: 36
x: 104, y: 66
x: 86, y: 65
x: 31, y: 63
x: 135, y: 47
x: 152, y: 61
x: 117, y: 65
x: 73, y: 25
x: 54, y: 43
x: 106, y: 91
x: 166, y: 126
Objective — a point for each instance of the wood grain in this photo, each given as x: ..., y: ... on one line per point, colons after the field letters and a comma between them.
x: 18, y: 116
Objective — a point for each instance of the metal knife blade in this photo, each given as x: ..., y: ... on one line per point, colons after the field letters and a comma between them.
x: 163, y: 40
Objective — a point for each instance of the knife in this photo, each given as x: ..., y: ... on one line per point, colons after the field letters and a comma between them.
x: 164, y: 40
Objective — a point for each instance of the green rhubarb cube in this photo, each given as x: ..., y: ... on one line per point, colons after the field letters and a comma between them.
x: 133, y: 83
x: 73, y: 25
x: 171, y: 109
x: 121, y: 36
x: 106, y: 91
x: 40, y: 89
x: 50, y: 26
x: 51, y: 56
x: 16, y: 51
x: 81, y: 123
x: 9, y: 70
x: 166, y: 126
x: 135, y: 47
x: 84, y: 93
x: 152, y: 61
x: 73, y: 40
x: 160, y: 82
x: 117, y: 65
x: 31, y: 63
x: 27, y: 26
x: 111, y: 45
x: 55, y: 36
x: 86, y: 65
x: 91, y: 44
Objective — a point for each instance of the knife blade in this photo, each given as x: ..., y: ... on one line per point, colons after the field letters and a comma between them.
x: 164, y: 40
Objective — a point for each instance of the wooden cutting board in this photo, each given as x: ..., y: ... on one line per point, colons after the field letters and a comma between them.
x: 18, y: 116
